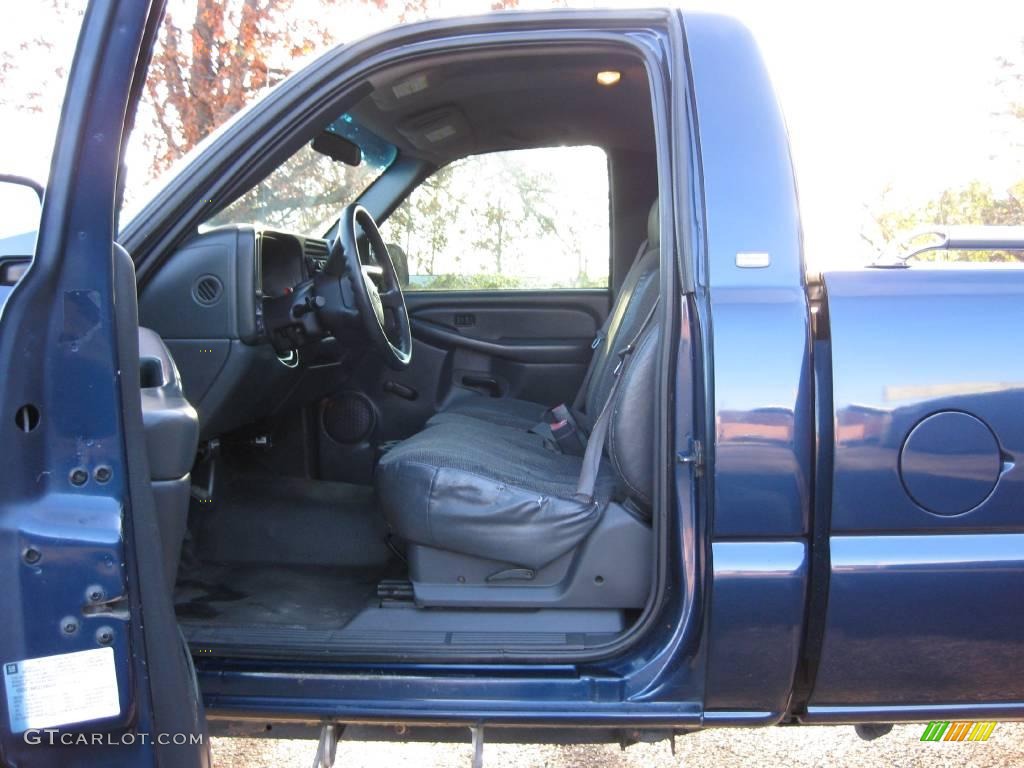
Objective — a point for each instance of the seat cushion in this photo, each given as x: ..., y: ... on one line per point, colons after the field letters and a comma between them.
x: 504, y: 411
x: 489, y: 491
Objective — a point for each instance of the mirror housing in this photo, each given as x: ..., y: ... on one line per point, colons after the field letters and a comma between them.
x: 338, y: 148
x: 21, y: 202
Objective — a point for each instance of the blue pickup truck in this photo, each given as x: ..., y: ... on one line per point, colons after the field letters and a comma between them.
x: 570, y: 447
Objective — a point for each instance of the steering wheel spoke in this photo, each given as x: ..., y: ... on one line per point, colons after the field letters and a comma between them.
x: 375, y: 288
x: 392, y: 298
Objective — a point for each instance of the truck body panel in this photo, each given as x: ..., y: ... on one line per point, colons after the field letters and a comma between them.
x: 927, y: 556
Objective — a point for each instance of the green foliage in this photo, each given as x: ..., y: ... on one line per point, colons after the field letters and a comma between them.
x: 484, y: 221
x: 487, y: 282
x: 975, y: 203
x: 1011, y: 84
x: 303, y: 194
x: 423, y: 223
x: 477, y: 282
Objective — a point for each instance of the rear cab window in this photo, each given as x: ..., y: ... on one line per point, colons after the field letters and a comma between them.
x: 528, y: 219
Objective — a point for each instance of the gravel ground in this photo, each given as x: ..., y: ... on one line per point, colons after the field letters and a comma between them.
x: 790, y: 747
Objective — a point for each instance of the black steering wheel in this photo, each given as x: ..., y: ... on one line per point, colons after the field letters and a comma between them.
x: 382, y: 308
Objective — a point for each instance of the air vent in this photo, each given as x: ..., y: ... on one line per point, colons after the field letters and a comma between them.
x: 315, y: 252
x: 207, y: 290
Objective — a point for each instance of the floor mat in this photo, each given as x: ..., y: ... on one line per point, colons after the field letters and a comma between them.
x: 285, y: 521
x: 297, y: 596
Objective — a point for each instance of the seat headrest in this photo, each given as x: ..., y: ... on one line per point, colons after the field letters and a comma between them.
x: 653, y: 226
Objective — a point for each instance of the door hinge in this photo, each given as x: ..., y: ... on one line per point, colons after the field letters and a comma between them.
x: 694, y: 456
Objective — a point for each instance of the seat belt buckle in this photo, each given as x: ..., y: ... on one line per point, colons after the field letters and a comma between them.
x: 566, y: 433
x: 558, y: 413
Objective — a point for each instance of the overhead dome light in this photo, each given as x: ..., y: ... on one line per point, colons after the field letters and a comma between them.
x: 608, y: 77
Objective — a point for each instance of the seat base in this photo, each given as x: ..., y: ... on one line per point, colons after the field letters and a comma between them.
x: 609, y: 569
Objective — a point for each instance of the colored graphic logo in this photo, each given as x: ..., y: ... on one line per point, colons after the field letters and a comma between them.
x: 960, y: 730
x: 11, y: 669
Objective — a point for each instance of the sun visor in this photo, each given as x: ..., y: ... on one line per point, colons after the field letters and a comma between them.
x: 403, y: 92
x: 430, y: 131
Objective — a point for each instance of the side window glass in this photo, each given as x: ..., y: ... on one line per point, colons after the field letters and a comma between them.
x: 522, y: 219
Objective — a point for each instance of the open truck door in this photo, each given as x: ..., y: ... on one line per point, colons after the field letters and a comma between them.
x: 95, y: 670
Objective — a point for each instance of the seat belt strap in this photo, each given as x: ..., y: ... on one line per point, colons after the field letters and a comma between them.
x: 581, y: 396
x: 595, y: 445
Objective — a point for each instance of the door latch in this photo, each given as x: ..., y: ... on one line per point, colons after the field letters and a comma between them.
x: 693, y: 455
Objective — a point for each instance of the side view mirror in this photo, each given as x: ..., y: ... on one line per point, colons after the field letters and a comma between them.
x: 21, y: 202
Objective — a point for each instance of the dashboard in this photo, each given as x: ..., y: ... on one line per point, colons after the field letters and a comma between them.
x: 281, y: 263
x: 207, y: 303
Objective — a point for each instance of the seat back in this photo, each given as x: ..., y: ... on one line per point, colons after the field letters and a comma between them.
x: 630, y: 445
x: 637, y: 295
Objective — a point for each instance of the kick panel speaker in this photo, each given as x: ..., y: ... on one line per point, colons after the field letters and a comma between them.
x: 348, y: 417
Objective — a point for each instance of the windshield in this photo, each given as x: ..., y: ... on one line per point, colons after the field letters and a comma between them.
x: 306, y: 192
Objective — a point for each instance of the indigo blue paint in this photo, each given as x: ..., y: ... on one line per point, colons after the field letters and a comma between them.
x: 887, y: 595
x: 764, y: 413
x: 1002, y: 710
x: 757, y: 618
x: 950, y: 462
x: 749, y: 190
x: 917, y: 620
x: 658, y: 681
x: 763, y: 442
x: 927, y: 563
x: 58, y: 349
x: 917, y: 625
x: 907, y: 344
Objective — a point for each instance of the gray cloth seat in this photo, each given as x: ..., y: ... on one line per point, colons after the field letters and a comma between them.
x: 636, y: 296
x: 489, y: 491
x: 503, y: 411
x: 477, y: 482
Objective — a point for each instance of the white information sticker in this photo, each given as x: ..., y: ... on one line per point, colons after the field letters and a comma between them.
x: 59, y: 690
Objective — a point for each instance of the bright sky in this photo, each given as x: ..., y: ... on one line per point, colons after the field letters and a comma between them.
x: 875, y: 94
